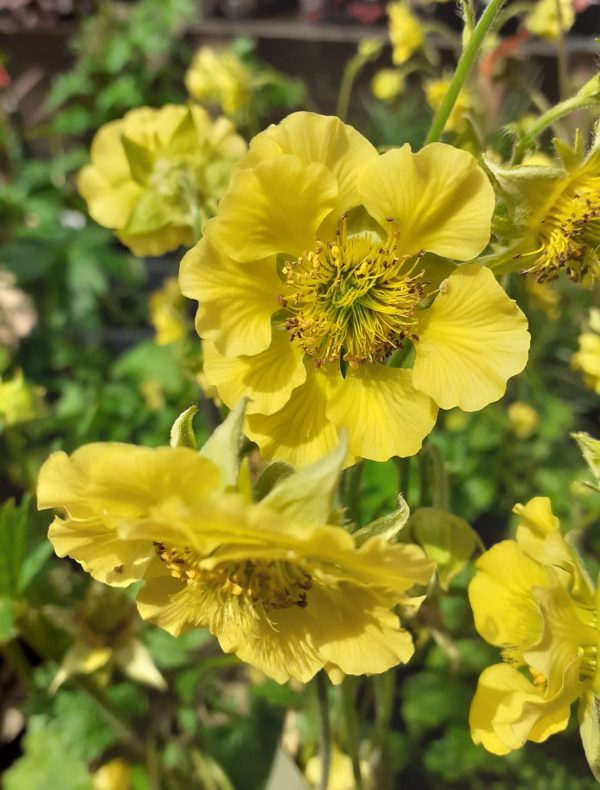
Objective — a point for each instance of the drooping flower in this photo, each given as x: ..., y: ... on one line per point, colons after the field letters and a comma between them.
x: 550, y: 19
x: 587, y: 359
x: 156, y: 175
x: 276, y: 583
x: 553, y: 219
x: 167, y: 313
x: 388, y: 84
x: 533, y: 599
x: 313, y: 280
x: 219, y: 78
x: 406, y: 32
x: 435, y: 93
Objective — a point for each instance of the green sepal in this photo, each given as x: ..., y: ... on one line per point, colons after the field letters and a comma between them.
x: 185, y: 137
x: 446, y: 539
x: 571, y: 155
x: 387, y: 526
x: 270, y: 476
x: 140, y: 160
x: 182, y: 432
x: 589, y: 729
x: 148, y: 215
x: 307, y: 495
x: 590, y: 449
x: 223, y: 446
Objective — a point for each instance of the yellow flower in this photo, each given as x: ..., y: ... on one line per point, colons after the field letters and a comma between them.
x: 523, y: 418
x: 277, y: 584
x: 532, y: 598
x: 387, y: 84
x: 219, y: 78
x: 405, y: 31
x: 19, y: 401
x: 155, y: 175
x: 167, y: 313
x: 435, y: 92
x: 113, y: 775
x: 313, y: 275
x: 587, y: 359
x: 103, y: 637
x: 341, y: 775
x: 550, y: 18
x: 553, y: 216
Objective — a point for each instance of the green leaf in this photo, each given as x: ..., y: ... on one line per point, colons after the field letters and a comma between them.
x: 13, y: 528
x: 589, y: 728
x: 223, y: 446
x: 7, y: 620
x: 447, y: 539
x: 387, y: 527
x: 33, y: 563
x: 47, y: 763
x: 590, y: 449
x: 182, y: 432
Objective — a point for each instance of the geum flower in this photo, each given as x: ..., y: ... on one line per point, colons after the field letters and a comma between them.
x: 273, y: 581
x: 552, y: 221
x: 155, y: 175
x: 587, y: 358
x: 315, y: 273
x: 533, y: 599
x: 406, y: 32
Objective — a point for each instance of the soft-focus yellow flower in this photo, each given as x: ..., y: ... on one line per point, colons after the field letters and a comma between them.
x: 277, y: 585
x: 103, y: 637
x: 435, y: 92
x: 549, y: 18
x: 532, y: 598
x: 113, y: 775
x: 587, y: 359
x: 155, y: 175
x: 219, y: 78
x: 313, y: 275
x: 167, y: 313
x: 388, y: 84
x: 406, y: 32
x: 20, y: 401
x: 553, y: 215
x: 523, y: 418
x: 341, y: 774
x: 542, y: 296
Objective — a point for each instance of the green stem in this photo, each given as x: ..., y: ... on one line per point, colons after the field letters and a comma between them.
x: 324, y: 728
x: 352, y: 491
x: 562, y: 55
x: 463, y: 68
x: 384, y: 708
x: 350, y: 73
x: 549, y: 118
x: 352, y: 730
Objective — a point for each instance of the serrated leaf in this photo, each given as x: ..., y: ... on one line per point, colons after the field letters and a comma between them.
x: 182, y: 432
x: 223, y: 446
x: 589, y: 729
x: 386, y: 527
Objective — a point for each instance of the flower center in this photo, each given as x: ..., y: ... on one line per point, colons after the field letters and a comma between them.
x: 274, y: 584
x: 571, y: 227
x: 352, y: 299
x: 172, y: 179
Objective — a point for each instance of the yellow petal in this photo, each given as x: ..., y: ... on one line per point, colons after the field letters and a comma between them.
x: 383, y: 413
x: 273, y: 208
x: 504, y: 610
x: 267, y: 379
x: 110, y: 203
x: 235, y: 301
x: 318, y: 138
x: 440, y: 199
x: 471, y: 341
x: 300, y: 432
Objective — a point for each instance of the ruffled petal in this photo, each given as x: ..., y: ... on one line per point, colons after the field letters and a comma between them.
x: 440, y: 199
x: 273, y: 208
x: 382, y: 411
x: 318, y: 138
x: 471, y: 341
x: 300, y: 432
x: 267, y: 379
x: 235, y: 301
